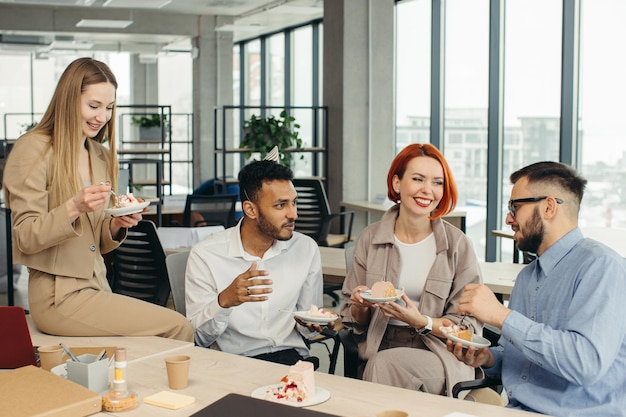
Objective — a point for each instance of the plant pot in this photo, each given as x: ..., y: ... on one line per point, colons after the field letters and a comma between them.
x: 150, y: 133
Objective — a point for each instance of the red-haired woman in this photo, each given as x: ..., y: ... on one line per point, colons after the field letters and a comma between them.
x: 400, y: 343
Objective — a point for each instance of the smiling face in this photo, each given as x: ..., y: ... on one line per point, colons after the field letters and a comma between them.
x: 96, y: 107
x: 276, y: 210
x: 421, y: 186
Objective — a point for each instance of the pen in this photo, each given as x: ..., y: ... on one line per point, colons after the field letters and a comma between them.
x: 101, y: 355
x: 69, y: 352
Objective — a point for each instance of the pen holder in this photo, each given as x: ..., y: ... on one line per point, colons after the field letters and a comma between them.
x: 89, y: 373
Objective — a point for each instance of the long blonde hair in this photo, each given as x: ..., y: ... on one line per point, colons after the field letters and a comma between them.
x: 62, y: 122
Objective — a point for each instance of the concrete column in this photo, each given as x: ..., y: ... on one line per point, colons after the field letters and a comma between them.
x: 358, y: 90
x: 145, y: 85
x: 212, y: 87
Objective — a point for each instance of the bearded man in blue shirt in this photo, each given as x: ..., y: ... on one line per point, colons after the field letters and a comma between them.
x: 562, y: 350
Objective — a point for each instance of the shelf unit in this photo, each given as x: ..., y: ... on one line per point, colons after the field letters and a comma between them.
x: 228, y: 131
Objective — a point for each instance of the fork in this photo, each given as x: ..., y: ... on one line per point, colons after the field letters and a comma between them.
x: 108, y: 183
x: 462, y: 320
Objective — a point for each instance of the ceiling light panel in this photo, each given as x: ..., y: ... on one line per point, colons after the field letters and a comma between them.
x: 53, y: 2
x: 137, y: 4
x: 104, y: 23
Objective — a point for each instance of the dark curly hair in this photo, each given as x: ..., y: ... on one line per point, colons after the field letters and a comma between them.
x: 253, y: 175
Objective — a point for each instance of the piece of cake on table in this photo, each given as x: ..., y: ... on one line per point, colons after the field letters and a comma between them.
x: 297, y: 386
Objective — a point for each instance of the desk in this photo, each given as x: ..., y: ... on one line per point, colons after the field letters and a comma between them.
x: 457, y: 217
x: 214, y: 374
x: 137, y: 347
x: 613, y: 238
x: 500, y: 277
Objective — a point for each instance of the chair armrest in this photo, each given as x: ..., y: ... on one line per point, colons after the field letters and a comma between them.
x: 349, y: 215
x: 350, y: 353
x: 489, y: 382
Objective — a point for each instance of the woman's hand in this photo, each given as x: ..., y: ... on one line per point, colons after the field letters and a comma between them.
x: 88, y: 200
x: 359, y: 307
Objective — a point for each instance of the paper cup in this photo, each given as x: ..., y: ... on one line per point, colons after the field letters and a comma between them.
x: 177, y: 371
x: 392, y: 413
x: 50, y: 356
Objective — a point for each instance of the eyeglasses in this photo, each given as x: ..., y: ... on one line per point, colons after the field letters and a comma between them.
x: 512, y: 203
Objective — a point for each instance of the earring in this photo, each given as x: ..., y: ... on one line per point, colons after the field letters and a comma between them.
x: 397, y: 191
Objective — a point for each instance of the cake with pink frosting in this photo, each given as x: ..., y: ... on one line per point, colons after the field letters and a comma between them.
x: 125, y: 201
x: 297, y: 386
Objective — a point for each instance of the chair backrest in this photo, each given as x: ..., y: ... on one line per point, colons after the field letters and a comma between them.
x: 313, y: 209
x: 349, y: 249
x: 210, y: 210
x: 138, y: 265
x: 176, y: 268
x: 6, y: 227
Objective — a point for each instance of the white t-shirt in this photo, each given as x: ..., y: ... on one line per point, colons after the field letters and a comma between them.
x: 252, y: 328
x: 416, y: 261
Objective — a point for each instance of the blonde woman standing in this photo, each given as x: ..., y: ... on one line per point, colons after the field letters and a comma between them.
x: 52, y: 182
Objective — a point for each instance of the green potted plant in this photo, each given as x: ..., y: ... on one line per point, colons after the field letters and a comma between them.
x: 150, y: 126
x: 261, y: 134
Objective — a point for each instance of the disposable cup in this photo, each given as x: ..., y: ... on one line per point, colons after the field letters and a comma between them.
x: 50, y: 356
x: 177, y: 371
x: 392, y: 413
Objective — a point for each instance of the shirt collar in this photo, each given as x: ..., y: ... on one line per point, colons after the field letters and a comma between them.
x: 236, y: 250
x: 553, y: 255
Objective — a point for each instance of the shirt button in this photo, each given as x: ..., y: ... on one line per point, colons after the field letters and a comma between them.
x: 524, y: 378
x: 92, y: 248
x: 532, y: 318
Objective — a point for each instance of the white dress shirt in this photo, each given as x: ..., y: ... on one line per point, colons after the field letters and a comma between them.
x: 252, y: 328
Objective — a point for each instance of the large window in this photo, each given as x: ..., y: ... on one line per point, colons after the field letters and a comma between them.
x: 602, y: 91
x: 465, y: 114
x: 413, y: 72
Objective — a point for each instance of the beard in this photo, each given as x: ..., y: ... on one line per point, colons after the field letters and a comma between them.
x: 266, y: 227
x: 533, y: 235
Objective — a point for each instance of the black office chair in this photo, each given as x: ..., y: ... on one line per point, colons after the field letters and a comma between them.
x: 138, y: 266
x: 315, y: 220
x: 210, y: 210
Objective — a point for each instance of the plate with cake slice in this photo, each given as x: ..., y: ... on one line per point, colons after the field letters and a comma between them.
x: 381, y: 292
x: 316, y: 315
x: 267, y: 393
x: 125, y: 211
x: 477, y: 340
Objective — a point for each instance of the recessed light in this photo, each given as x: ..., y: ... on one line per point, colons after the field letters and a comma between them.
x: 239, y: 28
x: 104, y: 23
x: 137, y: 4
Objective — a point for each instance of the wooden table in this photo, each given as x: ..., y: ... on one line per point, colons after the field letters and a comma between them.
x: 457, y: 217
x: 214, y: 374
x: 137, y: 347
x: 500, y: 277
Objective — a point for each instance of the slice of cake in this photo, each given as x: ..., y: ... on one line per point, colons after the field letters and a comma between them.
x: 125, y: 200
x: 297, y: 386
x: 383, y: 289
x: 314, y: 311
x: 462, y: 332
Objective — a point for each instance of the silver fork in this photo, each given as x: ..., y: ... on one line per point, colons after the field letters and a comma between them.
x: 462, y: 320
x: 108, y: 183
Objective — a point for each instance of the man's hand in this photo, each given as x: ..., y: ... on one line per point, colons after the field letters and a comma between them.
x: 470, y: 355
x: 245, y: 288
x: 479, y: 301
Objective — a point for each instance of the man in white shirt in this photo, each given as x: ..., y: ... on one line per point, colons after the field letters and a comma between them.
x: 241, y: 284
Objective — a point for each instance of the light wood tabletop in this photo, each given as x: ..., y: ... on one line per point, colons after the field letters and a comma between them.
x: 214, y: 374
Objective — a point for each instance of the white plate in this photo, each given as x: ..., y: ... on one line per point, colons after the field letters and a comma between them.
x: 60, y: 370
x: 304, y: 316
x: 477, y: 341
x: 320, y: 396
x: 367, y: 295
x: 123, y: 211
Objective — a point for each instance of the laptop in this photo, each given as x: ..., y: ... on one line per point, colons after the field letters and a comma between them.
x: 16, y: 346
x: 241, y: 405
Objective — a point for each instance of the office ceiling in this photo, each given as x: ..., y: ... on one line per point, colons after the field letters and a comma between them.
x: 153, y: 26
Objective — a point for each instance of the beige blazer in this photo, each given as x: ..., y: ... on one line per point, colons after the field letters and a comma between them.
x: 376, y: 258
x: 43, y: 237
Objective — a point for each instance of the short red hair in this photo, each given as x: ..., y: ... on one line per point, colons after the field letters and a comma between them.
x: 401, y: 161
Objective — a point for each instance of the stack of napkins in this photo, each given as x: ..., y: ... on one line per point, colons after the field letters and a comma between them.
x: 168, y: 399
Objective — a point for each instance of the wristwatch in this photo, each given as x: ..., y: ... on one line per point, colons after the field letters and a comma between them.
x: 428, y: 328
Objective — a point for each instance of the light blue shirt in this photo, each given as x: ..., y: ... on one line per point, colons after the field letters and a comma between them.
x: 563, y: 347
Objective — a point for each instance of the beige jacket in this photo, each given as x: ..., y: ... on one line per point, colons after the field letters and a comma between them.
x: 43, y: 237
x: 376, y: 258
